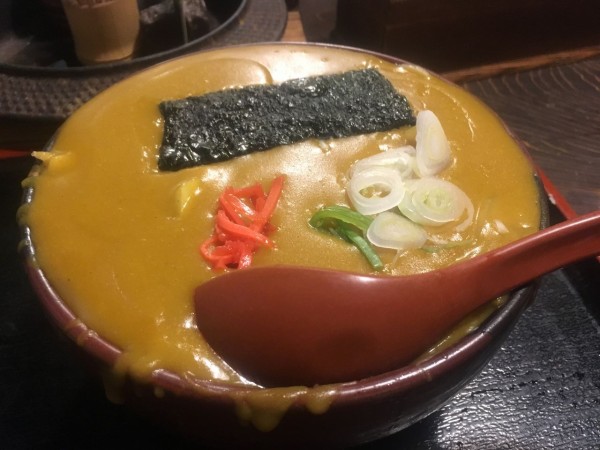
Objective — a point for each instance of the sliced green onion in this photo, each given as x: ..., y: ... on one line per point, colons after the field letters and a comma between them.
x: 433, y: 148
x: 390, y: 230
x: 379, y: 178
x: 402, y: 177
x: 431, y: 201
x: 401, y: 159
x: 438, y: 200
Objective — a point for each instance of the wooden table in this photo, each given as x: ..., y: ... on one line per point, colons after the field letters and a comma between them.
x: 542, y: 390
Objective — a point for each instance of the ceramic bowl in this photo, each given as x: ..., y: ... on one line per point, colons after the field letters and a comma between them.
x: 360, y: 411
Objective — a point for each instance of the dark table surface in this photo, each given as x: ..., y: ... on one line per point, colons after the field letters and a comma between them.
x: 542, y: 389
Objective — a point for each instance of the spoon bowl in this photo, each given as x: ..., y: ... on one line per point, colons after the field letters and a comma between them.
x: 284, y: 325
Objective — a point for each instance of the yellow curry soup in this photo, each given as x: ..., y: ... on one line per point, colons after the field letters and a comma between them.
x: 119, y: 240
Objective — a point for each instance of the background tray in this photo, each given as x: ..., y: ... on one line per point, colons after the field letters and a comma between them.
x: 53, y: 93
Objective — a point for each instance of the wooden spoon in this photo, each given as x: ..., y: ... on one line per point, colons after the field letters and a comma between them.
x: 284, y: 325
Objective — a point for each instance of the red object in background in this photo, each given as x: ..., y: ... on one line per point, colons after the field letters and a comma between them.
x: 6, y: 154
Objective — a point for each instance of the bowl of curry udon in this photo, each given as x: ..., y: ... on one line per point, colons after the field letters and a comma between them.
x: 302, y: 148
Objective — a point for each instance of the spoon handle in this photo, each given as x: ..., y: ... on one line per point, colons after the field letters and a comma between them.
x: 282, y: 326
x: 529, y: 258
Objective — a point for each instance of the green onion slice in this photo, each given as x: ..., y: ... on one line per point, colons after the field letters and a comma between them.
x: 376, y: 177
x: 433, y: 148
x: 432, y: 201
x: 401, y: 159
x: 391, y: 230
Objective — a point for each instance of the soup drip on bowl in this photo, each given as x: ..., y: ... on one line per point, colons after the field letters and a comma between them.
x: 118, y: 243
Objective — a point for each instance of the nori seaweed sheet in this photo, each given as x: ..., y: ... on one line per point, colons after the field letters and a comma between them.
x: 222, y: 125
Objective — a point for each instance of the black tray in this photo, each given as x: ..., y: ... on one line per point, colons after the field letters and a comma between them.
x: 542, y: 389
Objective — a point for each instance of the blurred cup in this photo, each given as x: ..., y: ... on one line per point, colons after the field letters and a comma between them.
x: 103, y: 30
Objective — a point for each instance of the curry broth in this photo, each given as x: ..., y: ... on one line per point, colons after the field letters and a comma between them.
x: 112, y: 236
